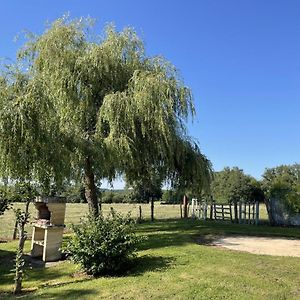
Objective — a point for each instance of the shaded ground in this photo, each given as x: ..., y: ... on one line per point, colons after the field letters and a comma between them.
x: 260, y: 245
x: 170, y: 264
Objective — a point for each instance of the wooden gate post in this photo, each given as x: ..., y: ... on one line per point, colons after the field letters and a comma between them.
x: 193, y: 208
x: 235, y: 211
x: 215, y: 211
x: 249, y: 213
x: 205, y: 211
x: 230, y: 212
x: 222, y: 209
x: 211, y: 211
x: 256, y: 213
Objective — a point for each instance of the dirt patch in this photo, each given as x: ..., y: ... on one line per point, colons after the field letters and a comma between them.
x: 257, y: 245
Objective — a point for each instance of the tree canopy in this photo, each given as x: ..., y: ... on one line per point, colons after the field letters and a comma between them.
x: 78, y: 105
x: 232, y: 185
x: 283, y: 183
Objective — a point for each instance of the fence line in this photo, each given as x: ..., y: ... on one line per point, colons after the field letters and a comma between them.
x: 247, y: 213
x: 241, y: 212
x: 76, y: 211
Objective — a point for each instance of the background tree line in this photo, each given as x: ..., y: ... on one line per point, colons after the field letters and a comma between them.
x: 228, y: 186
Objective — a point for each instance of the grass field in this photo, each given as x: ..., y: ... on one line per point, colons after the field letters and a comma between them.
x: 171, y: 264
x: 77, y: 210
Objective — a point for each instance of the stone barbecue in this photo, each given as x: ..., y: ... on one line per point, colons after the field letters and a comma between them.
x: 48, y: 228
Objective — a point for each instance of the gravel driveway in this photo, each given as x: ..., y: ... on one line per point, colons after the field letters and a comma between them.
x: 261, y: 245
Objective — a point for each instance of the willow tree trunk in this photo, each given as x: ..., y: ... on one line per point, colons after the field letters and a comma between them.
x: 90, y: 188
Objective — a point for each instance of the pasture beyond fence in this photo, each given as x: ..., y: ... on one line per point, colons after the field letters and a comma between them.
x: 240, y: 212
x: 76, y: 211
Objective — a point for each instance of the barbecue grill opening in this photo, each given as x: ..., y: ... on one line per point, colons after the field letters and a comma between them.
x: 43, y: 211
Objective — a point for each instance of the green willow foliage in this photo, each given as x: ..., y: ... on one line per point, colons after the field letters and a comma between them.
x: 84, y: 105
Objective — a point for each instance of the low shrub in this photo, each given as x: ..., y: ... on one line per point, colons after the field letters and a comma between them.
x: 104, y: 245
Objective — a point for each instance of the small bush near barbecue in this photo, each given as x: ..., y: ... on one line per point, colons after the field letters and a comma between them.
x: 104, y: 245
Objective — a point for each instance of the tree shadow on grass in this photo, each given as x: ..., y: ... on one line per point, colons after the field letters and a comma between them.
x: 36, y: 274
x: 7, y: 260
x: 178, y: 232
x: 149, y: 263
x: 166, y: 233
x: 71, y: 293
x: 163, y: 239
x: 166, y: 224
x: 59, y: 276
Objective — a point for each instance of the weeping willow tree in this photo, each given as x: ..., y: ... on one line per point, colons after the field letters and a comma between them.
x: 91, y: 107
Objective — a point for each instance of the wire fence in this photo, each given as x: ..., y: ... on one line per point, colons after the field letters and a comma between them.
x: 77, y: 211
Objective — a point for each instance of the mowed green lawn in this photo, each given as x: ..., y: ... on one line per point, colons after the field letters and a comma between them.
x: 171, y: 264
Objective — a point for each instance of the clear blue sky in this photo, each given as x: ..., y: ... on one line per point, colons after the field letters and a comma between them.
x: 241, y: 59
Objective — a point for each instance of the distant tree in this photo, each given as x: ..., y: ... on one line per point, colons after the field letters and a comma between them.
x: 89, y: 107
x: 108, y: 197
x: 286, y: 174
x: 4, y: 200
x: 147, y: 186
x: 142, y: 193
x: 116, y: 196
x: 283, y: 183
x: 231, y: 185
x: 172, y: 196
x: 256, y: 192
x: 75, y: 193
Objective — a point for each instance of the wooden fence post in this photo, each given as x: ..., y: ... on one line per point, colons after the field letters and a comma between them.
x: 256, y: 213
x: 211, y: 211
x: 201, y: 210
x: 240, y: 212
x: 185, y: 206
x: 193, y: 208
x: 215, y: 212
x: 152, y: 208
x: 15, y: 230
x: 222, y: 208
x: 205, y: 210
x: 249, y: 213
x: 140, y: 214
x: 235, y: 211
